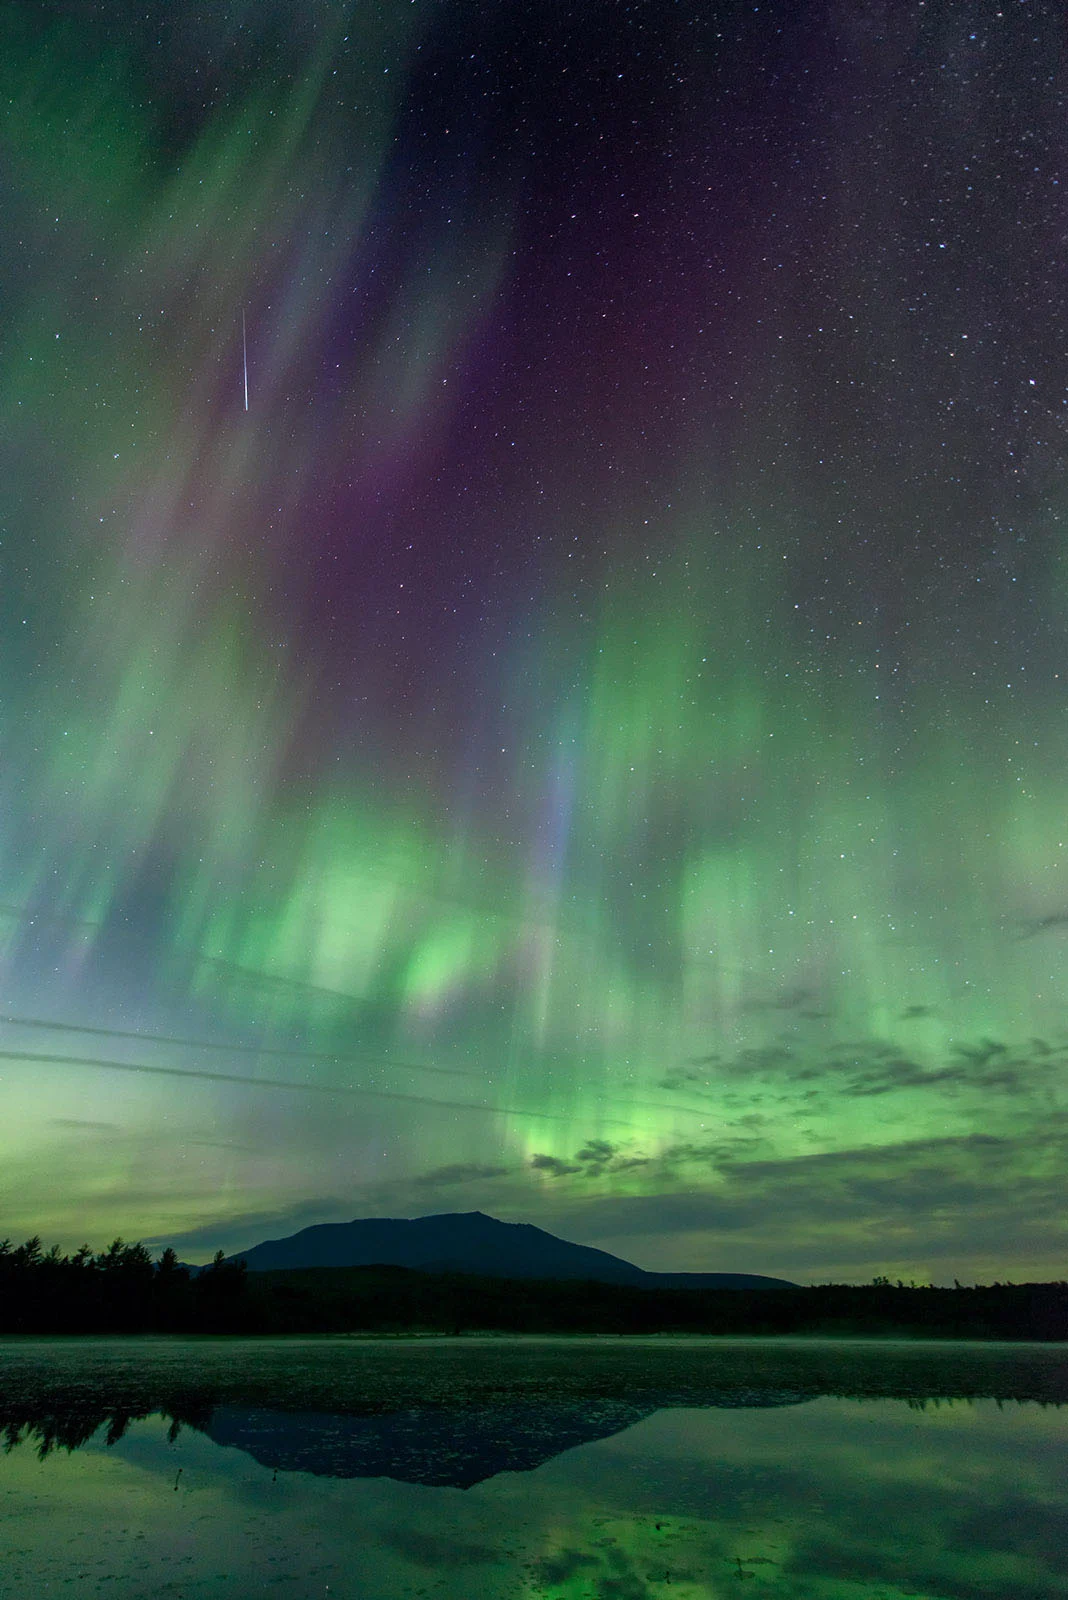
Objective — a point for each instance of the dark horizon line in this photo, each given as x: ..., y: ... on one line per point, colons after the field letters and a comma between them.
x: 878, y: 1280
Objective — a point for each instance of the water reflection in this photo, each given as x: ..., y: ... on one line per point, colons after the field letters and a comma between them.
x: 454, y: 1447
x: 750, y: 1491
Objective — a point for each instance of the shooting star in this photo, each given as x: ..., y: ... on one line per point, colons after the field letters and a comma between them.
x: 244, y: 355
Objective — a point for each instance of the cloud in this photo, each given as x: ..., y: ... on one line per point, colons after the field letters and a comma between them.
x: 680, y: 1078
x: 765, y: 1058
x: 988, y: 1065
x: 553, y: 1165
x: 899, y: 1075
x: 953, y: 1199
x: 458, y: 1172
x: 699, y: 1083
x: 711, y: 1152
x: 891, y: 1076
x: 788, y: 1077
x: 596, y: 1152
x: 598, y: 1158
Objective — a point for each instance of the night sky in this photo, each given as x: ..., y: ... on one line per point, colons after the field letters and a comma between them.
x: 586, y: 739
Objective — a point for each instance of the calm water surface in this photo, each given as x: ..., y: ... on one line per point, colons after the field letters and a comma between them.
x: 564, y: 1469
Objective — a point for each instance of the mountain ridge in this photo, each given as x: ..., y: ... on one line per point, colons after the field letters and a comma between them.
x: 471, y: 1241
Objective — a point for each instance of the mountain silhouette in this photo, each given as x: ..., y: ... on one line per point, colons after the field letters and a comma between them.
x: 469, y: 1241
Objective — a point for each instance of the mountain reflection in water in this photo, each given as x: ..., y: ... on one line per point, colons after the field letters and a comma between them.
x: 532, y: 1471
x: 441, y: 1447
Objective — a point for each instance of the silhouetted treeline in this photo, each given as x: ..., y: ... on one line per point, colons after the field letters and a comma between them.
x: 123, y: 1291
x: 70, y: 1426
x: 325, y: 1299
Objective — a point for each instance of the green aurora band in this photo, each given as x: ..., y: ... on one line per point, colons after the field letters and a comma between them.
x: 742, y: 943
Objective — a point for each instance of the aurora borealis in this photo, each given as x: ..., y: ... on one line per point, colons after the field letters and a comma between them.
x: 589, y: 742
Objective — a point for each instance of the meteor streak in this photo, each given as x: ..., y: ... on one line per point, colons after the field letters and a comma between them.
x: 244, y: 355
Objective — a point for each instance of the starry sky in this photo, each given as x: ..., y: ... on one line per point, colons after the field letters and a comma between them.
x: 533, y: 607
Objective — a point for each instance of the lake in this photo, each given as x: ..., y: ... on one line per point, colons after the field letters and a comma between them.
x: 509, y: 1469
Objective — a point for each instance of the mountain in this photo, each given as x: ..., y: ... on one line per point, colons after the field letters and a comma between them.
x: 469, y: 1241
